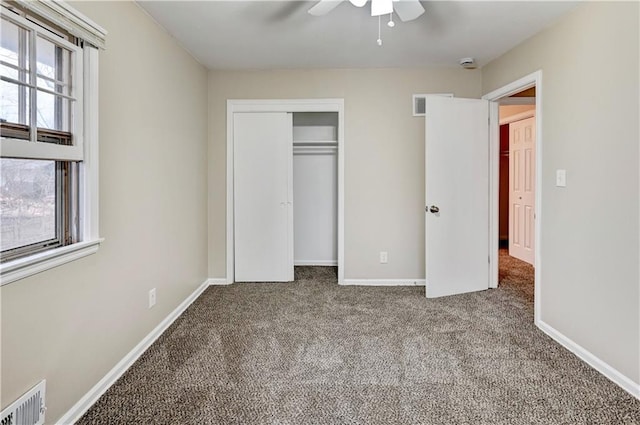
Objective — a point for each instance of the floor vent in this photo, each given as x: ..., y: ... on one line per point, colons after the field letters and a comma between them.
x: 28, y: 409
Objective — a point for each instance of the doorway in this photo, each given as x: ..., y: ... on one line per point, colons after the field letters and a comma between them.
x: 496, y: 97
x: 517, y: 178
x: 315, y: 187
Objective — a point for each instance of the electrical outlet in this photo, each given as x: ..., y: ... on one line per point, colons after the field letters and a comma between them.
x: 152, y: 297
x: 384, y: 257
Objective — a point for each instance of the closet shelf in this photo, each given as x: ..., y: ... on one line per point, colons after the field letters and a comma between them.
x: 315, y: 142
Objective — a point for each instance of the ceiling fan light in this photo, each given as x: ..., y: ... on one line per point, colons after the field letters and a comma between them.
x: 358, y: 3
x: 381, y: 7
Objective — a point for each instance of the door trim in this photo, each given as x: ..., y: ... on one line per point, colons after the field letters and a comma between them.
x: 528, y: 81
x: 283, y: 105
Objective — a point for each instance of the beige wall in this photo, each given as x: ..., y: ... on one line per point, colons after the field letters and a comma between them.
x: 590, y: 229
x: 72, y: 324
x: 507, y: 111
x: 384, y: 159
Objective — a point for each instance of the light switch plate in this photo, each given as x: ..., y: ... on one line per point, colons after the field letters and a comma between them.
x: 561, y: 178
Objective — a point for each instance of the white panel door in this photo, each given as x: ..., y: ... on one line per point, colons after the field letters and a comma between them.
x: 263, y: 197
x: 522, y: 142
x: 457, y: 195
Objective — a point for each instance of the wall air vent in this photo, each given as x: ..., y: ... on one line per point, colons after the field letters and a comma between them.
x: 419, y: 102
x: 28, y: 409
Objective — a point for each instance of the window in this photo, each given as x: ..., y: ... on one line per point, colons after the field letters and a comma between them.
x: 39, y: 104
x: 48, y: 177
x: 37, y: 206
x: 38, y: 97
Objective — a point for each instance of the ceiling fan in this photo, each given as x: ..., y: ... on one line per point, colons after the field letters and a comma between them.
x: 407, y: 10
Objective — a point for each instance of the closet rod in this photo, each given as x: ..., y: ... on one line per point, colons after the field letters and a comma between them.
x: 315, y: 151
x: 315, y: 143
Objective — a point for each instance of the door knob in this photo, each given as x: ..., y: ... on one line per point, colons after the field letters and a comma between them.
x: 434, y: 209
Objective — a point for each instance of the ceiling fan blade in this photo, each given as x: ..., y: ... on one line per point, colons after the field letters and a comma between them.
x: 323, y: 7
x: 381, y: 7
x: 358, y: 3
x: 408, y: 10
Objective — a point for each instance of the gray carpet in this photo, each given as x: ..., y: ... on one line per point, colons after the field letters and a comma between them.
x: 312, y: 352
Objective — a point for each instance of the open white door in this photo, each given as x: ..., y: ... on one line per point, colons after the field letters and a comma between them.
x: 263, y: 196
x: 522, y: 160
x: 457, y: 195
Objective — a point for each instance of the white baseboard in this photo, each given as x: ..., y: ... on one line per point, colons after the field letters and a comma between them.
x: 315, y: 263
x: 219, y: 281
x: 384, y: 282
x: 112, y: 376
x: 614, y: 375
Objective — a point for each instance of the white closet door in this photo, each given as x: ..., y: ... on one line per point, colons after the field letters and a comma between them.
x: 263, y: 193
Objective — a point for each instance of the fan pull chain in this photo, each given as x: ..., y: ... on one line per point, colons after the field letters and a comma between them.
x: 379, y: 36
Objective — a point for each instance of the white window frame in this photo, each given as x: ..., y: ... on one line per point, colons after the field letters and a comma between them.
x: 32, y: 149
x: 77, y: 24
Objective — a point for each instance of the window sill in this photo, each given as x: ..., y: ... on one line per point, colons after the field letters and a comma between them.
x: 12, y: 271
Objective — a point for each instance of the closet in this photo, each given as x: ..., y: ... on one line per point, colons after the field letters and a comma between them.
x: 285, y: 193
x: 315, y: 188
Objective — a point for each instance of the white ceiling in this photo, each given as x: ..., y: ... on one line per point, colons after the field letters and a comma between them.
x: 281, y: 34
